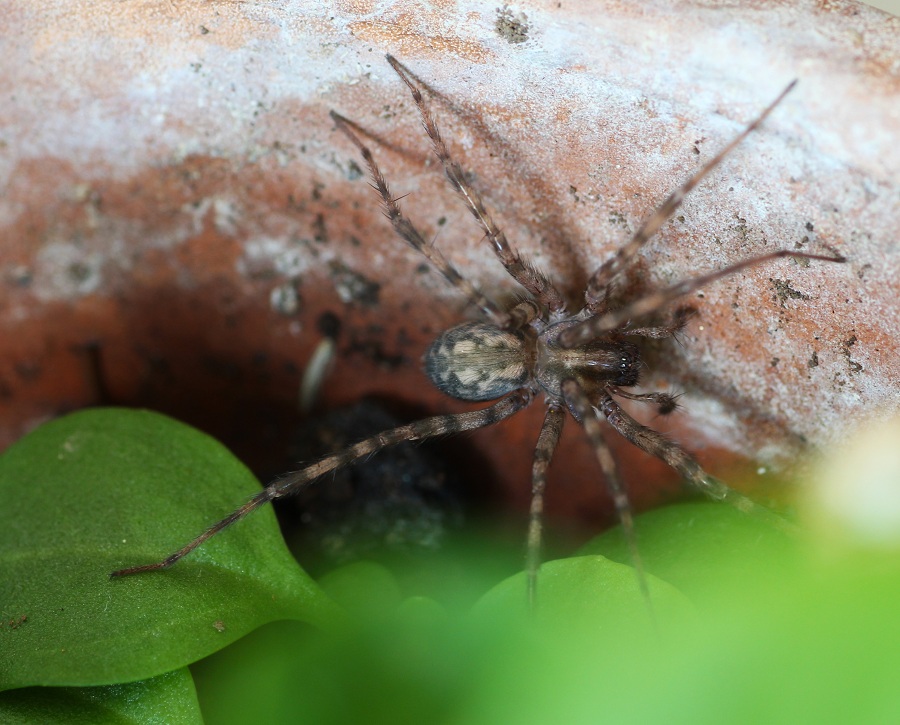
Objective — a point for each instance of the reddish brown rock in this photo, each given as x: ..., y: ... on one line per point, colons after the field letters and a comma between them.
x: 169, y: 177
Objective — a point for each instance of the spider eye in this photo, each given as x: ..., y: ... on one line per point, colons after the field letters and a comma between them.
x: 628, y: 366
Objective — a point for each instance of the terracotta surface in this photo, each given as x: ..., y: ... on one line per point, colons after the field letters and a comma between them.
x: 170, y: 175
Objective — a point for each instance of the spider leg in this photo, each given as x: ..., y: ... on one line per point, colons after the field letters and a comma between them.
x: 292, y: 482
x: 543, y: 453
x: 583, y: 411
x: 656, y: 444
x: 411, y: 235
x: 594, y: 327
x: 524, y: 313
x: 595, y: 292
x: 664, y: 402
x: 520, y: 269
x: 676, y: 325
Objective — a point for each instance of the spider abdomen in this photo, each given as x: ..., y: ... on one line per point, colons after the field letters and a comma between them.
x: 478, y: 361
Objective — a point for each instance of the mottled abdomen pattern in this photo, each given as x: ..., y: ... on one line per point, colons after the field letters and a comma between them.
x: 477, y: 361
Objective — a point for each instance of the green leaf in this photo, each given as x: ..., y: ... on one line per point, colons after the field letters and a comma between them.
x: 366, y: 589
x: 588, y: 598
x: 704, y: 548
x: 589, y: 616
x: 818, y: 644
x: 425, y: 664
x: 824, y: 649
x: 278, y: 674
x: 403, y: 669
x: 169, y: 699
x: 107, y: 488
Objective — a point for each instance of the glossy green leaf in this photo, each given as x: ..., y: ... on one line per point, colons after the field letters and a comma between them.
x: 169, y: 699
x: 107, y: 488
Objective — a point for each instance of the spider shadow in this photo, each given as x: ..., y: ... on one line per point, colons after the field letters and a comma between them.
x: 553, y: 224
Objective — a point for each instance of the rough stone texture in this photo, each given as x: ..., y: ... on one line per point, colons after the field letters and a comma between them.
x: 178, y: 210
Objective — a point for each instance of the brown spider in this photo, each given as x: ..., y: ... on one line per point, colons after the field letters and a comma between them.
x: 580, y: 362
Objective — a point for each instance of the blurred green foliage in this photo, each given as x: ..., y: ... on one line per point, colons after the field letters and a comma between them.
x: 745, y: 623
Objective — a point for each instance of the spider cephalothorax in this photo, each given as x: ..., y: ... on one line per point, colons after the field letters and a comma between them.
x: 578, y: 361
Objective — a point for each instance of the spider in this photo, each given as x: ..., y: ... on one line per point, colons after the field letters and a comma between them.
x: 581, y: 362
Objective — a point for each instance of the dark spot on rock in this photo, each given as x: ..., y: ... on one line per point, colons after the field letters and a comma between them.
x: 352, y: 287
x: 353, y: 171
x: 79, y: 272
x: 618, y: 218
x: 223, y: 368
x: 20, y: 276
x: 328, y: 324
x: 854, y: 366
x: 320, y: 234
x: 784, y: 291
x: 372, y: 348
x: 512, y: 27
x: 28, y: 371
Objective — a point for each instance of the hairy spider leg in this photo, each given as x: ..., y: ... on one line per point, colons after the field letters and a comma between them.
x: 411, y: 235
x: 547, y: 441
x: 582, y: 410
x: 602, y: 324
x: 293, y: 482
x: 675, y: 325
x: 523, y: 271
x: 673, y: 455
x: 596, y: 292
x: 664, y: 402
